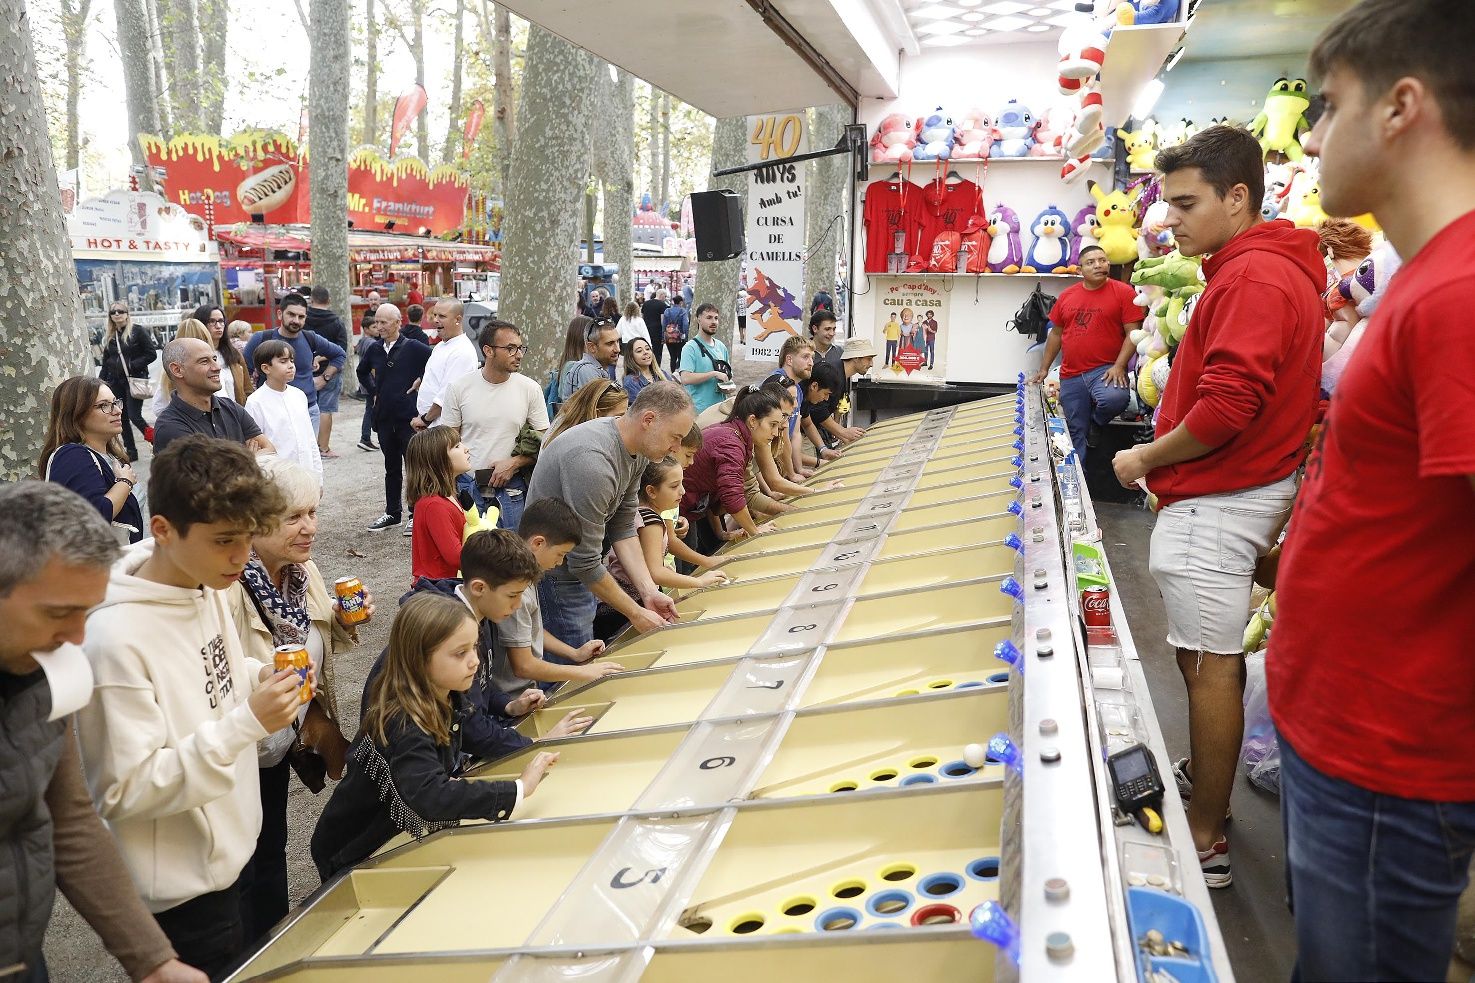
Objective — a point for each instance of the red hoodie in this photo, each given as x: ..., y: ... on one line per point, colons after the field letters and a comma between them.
x: 1247, y: 375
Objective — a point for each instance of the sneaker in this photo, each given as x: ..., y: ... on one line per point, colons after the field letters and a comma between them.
x: 1214, y: 862
x: 409, y: 529
x: 328, y: 455
x: 383, y: 522
x: 368, y: 445
x: 1185, y: 784
x: 148, y: 434
x: 1184, y: 780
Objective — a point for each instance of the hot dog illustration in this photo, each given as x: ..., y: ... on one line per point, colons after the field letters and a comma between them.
x: 267, y: 190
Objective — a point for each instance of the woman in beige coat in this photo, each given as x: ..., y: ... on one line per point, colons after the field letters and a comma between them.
x: 281, y: 600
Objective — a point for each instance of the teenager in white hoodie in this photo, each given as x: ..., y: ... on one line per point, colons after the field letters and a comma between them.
x: 169, y: 738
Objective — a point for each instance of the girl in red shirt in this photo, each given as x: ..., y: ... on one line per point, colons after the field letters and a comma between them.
x: 433, y: 459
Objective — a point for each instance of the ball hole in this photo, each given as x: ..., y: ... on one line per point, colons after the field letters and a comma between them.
x: 849, y: 889
x: 747, y: 925
x: 844, y: 787
x: 799, y: 906
x: 884, y: 775
x: 900, y: 872
x: 696, y: 923
x: 941, y: 885
x: 838, y: 921
x: 924, y: 762
x: 985, y: 869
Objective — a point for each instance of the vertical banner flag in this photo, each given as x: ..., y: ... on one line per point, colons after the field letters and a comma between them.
x: 473, y: 127
x: 411, y: 103
x: 774, y: 295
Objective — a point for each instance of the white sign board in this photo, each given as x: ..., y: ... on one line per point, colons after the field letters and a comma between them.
x: 775, y: 234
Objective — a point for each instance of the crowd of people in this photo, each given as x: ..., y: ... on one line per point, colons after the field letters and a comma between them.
x: 157, y: 801
x: 538, y: 541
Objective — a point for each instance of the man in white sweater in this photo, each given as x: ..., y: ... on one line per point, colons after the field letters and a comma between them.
x: 452, y: 358
x: 169, y: 738
x: 280, y: 409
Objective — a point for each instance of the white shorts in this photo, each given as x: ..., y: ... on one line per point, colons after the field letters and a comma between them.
x: 1203, y: 558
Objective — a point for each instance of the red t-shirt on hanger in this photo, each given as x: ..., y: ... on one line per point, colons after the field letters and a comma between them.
x: 944, y: 208
x: 891, y: 207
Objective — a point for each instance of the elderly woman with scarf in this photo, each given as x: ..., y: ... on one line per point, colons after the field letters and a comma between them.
x: 282, y: 600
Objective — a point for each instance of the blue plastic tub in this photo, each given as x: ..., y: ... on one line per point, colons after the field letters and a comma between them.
x: 1178, y: 921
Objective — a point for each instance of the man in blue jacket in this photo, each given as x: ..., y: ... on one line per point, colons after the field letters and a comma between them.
x: 390, y: 372
x: 306, y: 346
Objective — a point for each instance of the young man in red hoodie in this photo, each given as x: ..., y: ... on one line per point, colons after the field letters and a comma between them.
x: 1231, y: 433
x: 1374, y: 697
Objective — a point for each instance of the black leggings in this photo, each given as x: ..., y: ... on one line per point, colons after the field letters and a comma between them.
x: 673, y: 348
x: 132, y: 415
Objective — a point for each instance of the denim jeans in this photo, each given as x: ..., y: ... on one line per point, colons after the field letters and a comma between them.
x: 511, y: 499
x: 568, y: 611
x: 316, y: 416
x: 1374, y: 880
x: 207, y: 931
x: 467, y: 483
x: 1087, y: 399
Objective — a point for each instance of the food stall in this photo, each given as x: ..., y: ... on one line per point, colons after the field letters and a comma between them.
x: 136, y: 248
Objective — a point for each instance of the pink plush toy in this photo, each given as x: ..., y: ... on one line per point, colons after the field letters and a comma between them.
x: 1051, y: 132
x: 975, y: 134
x: 895, y: 139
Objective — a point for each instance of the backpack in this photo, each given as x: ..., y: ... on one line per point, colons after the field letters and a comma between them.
x: 1033, y: 318
x: 550, y: 393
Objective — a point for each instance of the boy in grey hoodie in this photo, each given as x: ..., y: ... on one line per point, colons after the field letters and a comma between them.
x: 169, y: 738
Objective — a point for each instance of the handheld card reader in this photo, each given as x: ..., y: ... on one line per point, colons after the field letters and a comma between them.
x: 1137, y: 785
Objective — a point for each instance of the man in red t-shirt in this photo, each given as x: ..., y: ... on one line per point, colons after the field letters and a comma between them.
x: 1231, y: 433
x: 1371, y: 671
x: 1088, y: 329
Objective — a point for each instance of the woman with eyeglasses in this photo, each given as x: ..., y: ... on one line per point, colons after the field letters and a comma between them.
x: 127, y: 352
x: 82, y: 452
x: 235, y: 378
x: 641, y: 368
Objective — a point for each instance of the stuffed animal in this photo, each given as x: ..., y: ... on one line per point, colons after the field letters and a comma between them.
x: 1087, y: 229
x: 1177, y: 132
x: 1173, y: 321
x: 1051, y: 131
x: 1141, y: 147
x: 1282, y: 119
x: 1279, y: 179
x: 974, y: 135
x: 1004, y: 252
x: 1050, y: 250
x: 1171, y: 272
x: 895, y: 137
x: 1016, y: 131
x: 1148, y: 12
x: 1157, y: 238
x: 935, y: 135
x: 1364, y: 288
x: 1117, y: 212
x: 1306, y: 211
x: 1083, y: 44
x: 1148, y: 389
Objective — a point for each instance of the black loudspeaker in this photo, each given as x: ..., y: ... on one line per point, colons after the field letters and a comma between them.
x: 717, y: 218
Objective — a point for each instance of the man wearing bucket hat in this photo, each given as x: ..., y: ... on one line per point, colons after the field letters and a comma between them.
x: 856, y: 358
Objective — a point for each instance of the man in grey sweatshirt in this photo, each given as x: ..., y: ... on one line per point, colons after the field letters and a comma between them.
x: 595, y: 468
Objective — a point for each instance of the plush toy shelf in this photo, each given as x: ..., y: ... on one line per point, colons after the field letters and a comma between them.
x: 1133, y: 58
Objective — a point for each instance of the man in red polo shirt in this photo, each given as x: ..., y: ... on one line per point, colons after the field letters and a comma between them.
x: 1371, y: 667
x: 1231, y: 433
x: 1089, y: 324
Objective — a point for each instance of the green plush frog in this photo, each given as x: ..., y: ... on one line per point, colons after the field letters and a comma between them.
x: 1282, y: 120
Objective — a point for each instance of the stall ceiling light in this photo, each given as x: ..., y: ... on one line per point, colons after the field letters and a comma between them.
x: 974, y: 17
x: 1066, y: 5
x: 939, y: 27
x: 1006, y: 7
x: 1008, y: 23
x: 935, y: 11
x: 1039, y: 11
x: 943, y: 41
x: 967, y: 3
x: 1037, y: 28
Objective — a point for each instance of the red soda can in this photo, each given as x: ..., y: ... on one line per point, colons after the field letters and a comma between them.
x: 1096, y: 606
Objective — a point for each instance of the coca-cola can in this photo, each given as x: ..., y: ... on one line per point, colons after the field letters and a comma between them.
x: 1096, y: 606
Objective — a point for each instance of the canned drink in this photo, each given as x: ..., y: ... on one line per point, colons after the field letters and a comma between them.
x: 1096, y: 606
x: 295, y: 657
x: 350, y: 599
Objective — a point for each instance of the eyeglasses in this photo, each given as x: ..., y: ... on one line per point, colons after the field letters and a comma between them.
x: 597, y: 325
x: 510, y: 349
x: 217, y: 320
x: 117, y: 312
x: 109, y: 405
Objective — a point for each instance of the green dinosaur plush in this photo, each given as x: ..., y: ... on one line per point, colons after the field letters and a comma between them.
x: 1282, y: 120
x: 1171, y: 271
x: 1175, y: 321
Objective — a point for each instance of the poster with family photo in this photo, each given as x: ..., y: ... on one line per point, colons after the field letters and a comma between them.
x: 911, y: 335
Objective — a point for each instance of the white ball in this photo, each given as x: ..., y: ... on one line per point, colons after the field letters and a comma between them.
x: 974, y: 755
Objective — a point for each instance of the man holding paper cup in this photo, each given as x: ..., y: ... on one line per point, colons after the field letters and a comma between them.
x: 55, y: 552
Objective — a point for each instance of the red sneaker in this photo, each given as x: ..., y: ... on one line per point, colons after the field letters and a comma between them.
x: 1215, y: 864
